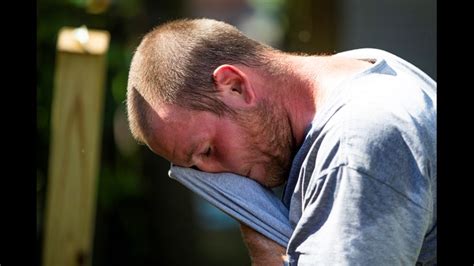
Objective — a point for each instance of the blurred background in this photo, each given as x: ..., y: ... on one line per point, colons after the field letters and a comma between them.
x: 142, y: 217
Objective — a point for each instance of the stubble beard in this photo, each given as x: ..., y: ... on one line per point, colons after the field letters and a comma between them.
x: 270, y: 141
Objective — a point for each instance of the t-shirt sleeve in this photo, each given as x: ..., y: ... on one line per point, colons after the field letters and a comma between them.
x: 352, y: 218
x: 242, y: 198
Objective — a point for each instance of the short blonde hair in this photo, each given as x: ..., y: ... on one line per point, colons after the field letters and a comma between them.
x: 174, y: 64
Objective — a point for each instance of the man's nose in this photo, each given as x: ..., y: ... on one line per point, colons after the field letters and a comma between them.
x: 211, y: 167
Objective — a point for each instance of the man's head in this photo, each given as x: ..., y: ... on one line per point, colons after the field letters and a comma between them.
x: 197, y: 95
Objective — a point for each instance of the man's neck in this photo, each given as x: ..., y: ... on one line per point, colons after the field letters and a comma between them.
x: 308, y: 81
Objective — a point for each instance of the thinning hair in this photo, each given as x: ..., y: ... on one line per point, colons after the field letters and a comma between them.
x: 174, y: 64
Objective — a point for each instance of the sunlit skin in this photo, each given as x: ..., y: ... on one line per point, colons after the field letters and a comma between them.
x: 248, y: 146
x: 214, y: 144
x: 202, y: 139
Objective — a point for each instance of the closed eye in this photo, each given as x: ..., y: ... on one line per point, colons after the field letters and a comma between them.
x: 208, y: 152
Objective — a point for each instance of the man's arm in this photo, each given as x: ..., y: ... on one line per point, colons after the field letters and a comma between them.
x: 262, y: 251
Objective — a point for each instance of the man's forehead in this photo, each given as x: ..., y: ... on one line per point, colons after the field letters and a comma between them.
x: 173, y: 130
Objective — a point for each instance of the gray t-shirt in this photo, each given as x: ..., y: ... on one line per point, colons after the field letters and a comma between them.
x: 362, y: 188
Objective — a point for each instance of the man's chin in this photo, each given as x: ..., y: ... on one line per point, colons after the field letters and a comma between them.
x: 259, y: 174
x: 275, y: 183
x: 276, y: 179
x: 255, y: 173
x: 271, y: 181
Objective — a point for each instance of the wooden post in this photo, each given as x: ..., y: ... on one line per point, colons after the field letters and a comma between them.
x: 76, y: 127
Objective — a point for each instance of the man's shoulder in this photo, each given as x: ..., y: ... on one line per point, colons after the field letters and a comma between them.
x: 379, y: 133
x: 391, y: 117
x: 383, y: 126
x: 378, y: 143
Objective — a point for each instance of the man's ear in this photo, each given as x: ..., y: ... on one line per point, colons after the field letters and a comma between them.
x: 233, y: 86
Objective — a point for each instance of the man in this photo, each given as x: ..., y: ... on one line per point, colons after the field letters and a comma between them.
x: 352, y: 136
